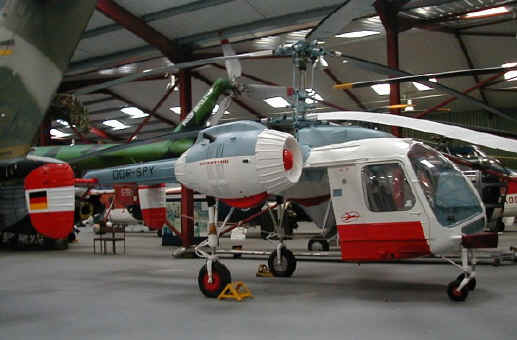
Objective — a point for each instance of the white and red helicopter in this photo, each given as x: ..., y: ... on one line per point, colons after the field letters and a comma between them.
x: 390, y: 198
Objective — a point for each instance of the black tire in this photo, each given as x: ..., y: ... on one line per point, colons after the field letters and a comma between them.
x: 72, y: 237
x: 472, y: 283
x: 51, y: 244
x: 287, y: 264
x: 220, y: 276
x: 457, y: 295
x: 318, y: 245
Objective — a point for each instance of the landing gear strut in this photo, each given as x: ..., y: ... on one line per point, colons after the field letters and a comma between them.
x: 281, y: 262
x: 213, y: 276
x: 459, y: 289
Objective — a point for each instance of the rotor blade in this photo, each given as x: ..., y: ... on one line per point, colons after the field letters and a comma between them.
x: 233, y: 66
x: 455, y: 132
x: 175, y: 67
x: 119, y: 147
x: 382, y: 69
x: 223, y: 106
x: 260, y: 92
x: 333, y: 23
x: 450, y: 74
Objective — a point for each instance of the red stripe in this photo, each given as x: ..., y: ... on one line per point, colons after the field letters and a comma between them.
x: 245, y: 202
x: 161, y: 185
x: 38, y: 200
x: 382, y: 241
x: 55, y: 225
x: 154, y: 218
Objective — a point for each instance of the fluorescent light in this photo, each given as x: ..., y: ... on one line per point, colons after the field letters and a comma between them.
x: 433, y: 80
x: 115, y: 124
x: 381, y: 89
x: 62, y: 122
x: 487, y: 12
x: 58, y: 134
x: 176, y: 109
x: 410, y: 106
x: 134, y: 112
x: 216, y: 108
x: 313, y: 94
x: 421, y: 87
x: 357, y: 34
x: 507, y: 65
x: 277, y: 102
x: 510, y: 76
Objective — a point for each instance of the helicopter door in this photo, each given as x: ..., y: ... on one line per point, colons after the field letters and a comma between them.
x: 377, y: 214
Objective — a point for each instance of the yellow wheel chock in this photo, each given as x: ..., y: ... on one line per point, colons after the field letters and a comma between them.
x: 263, y: 271
x: 233, y: 291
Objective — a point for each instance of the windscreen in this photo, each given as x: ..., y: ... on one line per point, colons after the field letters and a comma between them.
x: 446, y: 189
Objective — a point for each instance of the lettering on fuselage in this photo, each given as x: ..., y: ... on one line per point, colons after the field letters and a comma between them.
x: 140, y: 172
x: 217, y: 161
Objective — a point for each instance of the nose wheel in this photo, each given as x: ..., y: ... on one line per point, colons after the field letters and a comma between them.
x: 283, y: 266
x: 221, y: 276
x: 459, y: 289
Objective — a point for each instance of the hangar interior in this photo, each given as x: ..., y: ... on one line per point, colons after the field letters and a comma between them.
x: 125, y: 85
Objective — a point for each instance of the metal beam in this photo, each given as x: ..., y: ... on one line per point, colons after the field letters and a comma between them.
x: 352, y: 96
x: 103, y: 134
x: 250, y: 29
x: 155, y: 108
x: 388, y: 14
x: 470, y: 64
x: 187, y: 195
x: 137, y: 26
x: 163, y: 14
x: 132, y: 103
x: 451, y: 99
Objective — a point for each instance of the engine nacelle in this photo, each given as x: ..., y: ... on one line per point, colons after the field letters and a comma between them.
x: 50, y: 197
x: 241, y: 162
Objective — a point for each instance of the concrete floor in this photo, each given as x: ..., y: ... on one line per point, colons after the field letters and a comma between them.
x: 147, y: 294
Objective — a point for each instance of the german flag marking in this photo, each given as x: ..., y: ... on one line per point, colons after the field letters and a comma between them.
x: 38, y: 200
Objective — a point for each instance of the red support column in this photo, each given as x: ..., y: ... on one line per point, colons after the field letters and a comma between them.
x: 187, y: 196
x: 44, y: 134
x: 388, y: 14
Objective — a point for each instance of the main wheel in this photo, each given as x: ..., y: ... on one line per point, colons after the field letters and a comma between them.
x: 287, y: 264
x: 472, y: 283
x: 318, y: 245
x: 220, y: 278
x: 455, y: 294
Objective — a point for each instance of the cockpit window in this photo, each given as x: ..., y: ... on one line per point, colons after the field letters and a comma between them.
x: 445, y: 188
x: 386, y: 188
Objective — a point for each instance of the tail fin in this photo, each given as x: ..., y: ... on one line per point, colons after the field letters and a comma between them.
x: 50, y: 197
x: 152, y: 204
x: 37, y: 40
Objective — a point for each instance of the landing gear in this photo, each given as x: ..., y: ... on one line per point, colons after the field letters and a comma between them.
x: 283, y: 266
x: 459, y: 289
x: 221, y: 276
x: 318, y: 245
x: 281, y: 262
x: 213, y: 276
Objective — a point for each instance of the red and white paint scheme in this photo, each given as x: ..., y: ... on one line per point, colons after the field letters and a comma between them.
x: 510, y: 205
x: 50, y: 197
x: 152, y: 204
x: 245, y: 180
x: 380, y: 204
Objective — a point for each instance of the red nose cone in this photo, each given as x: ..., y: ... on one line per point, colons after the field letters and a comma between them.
x: 288, y: 160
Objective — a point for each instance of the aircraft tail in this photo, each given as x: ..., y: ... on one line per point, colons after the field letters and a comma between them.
x: 37, y: 40
x: 49, y: 194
